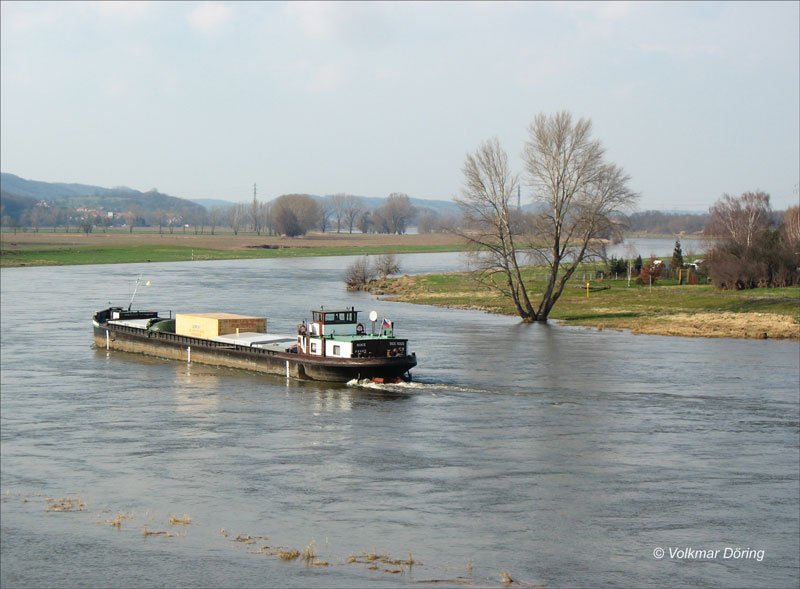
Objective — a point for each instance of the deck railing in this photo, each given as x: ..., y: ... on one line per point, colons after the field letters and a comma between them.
x: 189, y: 340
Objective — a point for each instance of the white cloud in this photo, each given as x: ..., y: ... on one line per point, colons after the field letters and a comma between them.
x: 210, y: 17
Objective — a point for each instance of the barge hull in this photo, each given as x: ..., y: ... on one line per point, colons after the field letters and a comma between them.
x: 290, y: 365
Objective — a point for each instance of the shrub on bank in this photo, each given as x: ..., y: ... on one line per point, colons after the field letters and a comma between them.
x: 361, y: 272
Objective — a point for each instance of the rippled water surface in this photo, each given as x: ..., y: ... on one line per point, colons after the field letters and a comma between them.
x: 562, y: 456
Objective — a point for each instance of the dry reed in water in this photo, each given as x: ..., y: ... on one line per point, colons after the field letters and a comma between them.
x: 147, y: 533
x: 309, y: 552
x: 290, y: 554
x: 117, y: 521
x: 65, y: 504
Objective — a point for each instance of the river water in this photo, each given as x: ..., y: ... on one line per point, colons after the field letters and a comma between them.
x: 561, y: 456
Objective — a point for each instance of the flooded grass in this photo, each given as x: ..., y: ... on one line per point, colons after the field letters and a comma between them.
x: 373, y: 561
x: 184, y: 520
x: 117, y: 520
x: 65, y: 504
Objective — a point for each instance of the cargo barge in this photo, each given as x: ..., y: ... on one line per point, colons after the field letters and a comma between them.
x: 334, y: 346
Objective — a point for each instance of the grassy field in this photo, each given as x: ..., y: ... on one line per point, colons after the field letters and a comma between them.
x: 667, y: 308
x: 46, y: 248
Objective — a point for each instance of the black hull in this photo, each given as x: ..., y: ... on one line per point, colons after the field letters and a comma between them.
x: 287, y: 364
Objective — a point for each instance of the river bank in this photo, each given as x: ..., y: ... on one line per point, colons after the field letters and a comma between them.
x: 666, y: 309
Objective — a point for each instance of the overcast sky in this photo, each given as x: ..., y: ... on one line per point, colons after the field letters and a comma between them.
x: 201, y: 100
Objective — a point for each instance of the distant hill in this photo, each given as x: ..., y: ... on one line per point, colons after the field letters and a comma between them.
x: 15, y: 205
x: 56, y: 191
x: 210, y: 203
x: 22, y: 193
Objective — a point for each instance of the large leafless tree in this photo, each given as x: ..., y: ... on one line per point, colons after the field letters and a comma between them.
x: 576, y: 193
x: 740, y: 218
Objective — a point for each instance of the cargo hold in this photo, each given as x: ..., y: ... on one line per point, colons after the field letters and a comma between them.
x: 211, y: 325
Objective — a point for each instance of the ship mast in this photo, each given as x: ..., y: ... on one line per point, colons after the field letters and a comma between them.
x: 136, y: 288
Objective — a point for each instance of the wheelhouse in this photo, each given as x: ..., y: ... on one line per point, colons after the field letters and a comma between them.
x: 339, y: 334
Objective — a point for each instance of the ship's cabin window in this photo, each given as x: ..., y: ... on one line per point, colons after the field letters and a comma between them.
x: 313, y: 347
x: 329, y: 317
x: 337, y: 350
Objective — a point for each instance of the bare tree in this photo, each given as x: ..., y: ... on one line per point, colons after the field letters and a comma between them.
x: 35, y: 218
x: 160, y: 216
x: 397, y: 211
x: 295, y: 214
x: 489, y: 186
x: 133, y: 218
x: 199, y: 219
x: 791, y: 227
x: 428, y: 221
x: 265, y: 217
x: 236, y: 216
x: 325, y: 212
x: 87, y: 224
x: 253, y: 215
x: 339, y: 206
x: 740, y: 219
x: 214, y: 216
x: 352, y: 210
x: 576, y: 193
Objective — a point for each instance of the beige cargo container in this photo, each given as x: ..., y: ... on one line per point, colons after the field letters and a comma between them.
x: 210, y: 325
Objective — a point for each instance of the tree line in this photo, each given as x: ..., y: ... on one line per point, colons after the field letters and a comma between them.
x: 293, y: 215
x: 753, y: 247
x: 290, y: 215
